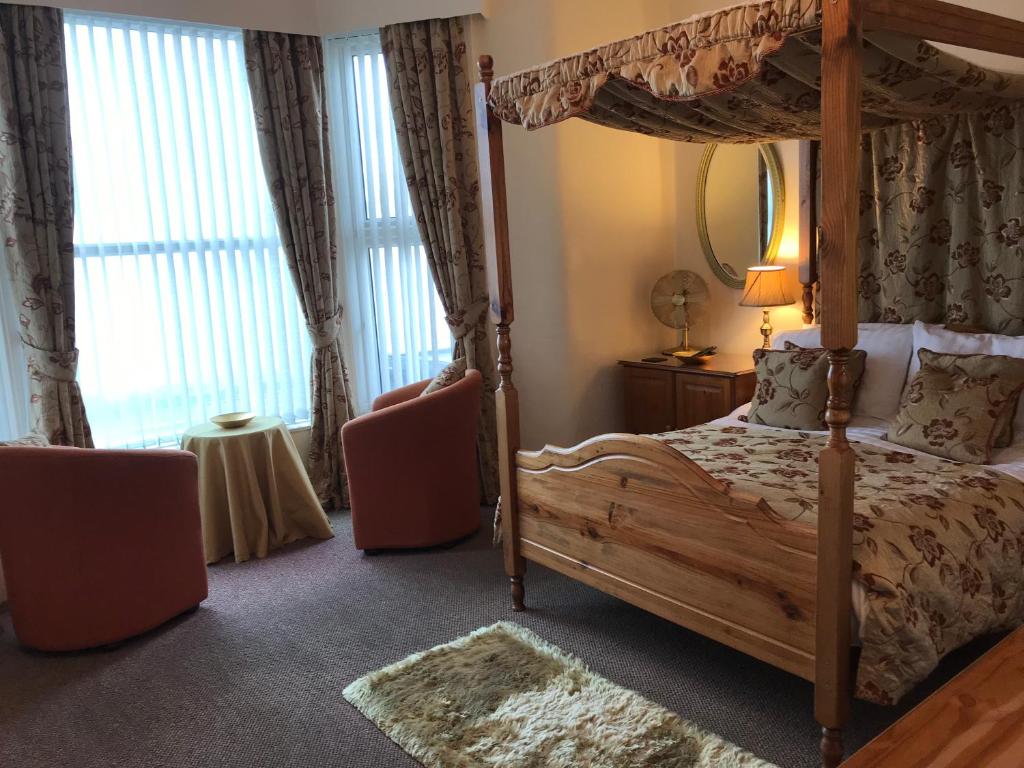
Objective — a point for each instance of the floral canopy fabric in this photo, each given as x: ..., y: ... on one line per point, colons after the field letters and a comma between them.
x: 747, y: 73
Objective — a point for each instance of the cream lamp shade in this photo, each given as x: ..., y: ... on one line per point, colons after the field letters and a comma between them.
x: 766, y: 287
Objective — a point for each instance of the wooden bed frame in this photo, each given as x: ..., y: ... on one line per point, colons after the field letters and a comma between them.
x: 635, y: 518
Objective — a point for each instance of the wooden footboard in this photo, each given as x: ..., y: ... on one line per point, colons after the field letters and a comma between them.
x: 635, y: 518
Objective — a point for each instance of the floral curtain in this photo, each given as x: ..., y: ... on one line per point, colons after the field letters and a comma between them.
x: 286, y: 79
x: 942, y: 222
x: 432, y: 103
x: 37, y: 214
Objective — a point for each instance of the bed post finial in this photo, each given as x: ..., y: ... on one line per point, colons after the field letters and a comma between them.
x: 807, y: 297
x: 485, y: 66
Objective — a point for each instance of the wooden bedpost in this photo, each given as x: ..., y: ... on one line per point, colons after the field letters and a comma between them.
x: 808, y: 263
x: 499, y: 277
x: 841, y: 69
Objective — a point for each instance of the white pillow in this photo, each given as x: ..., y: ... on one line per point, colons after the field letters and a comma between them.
x: 938, y: 339
x: 888, y: 346
x: 1011, y: 346
x: 805, y: 337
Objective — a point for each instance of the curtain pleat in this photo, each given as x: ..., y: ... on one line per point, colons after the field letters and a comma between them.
x: 286, y: 80
x: 37, y: 215
x: 942, y: 222
x: 433, y: 112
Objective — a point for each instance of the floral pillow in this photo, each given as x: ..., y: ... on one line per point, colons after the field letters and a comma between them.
x: 952, y: 414
x: 454, y: 371
x: 857, y: 363
x: 792, y: 386
x: 1009, y: 369
x: 32, y: 440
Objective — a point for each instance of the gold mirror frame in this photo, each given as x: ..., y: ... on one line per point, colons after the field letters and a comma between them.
x: 778, y: 193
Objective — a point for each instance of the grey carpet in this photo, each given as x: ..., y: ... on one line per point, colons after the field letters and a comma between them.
x: 254, y: 678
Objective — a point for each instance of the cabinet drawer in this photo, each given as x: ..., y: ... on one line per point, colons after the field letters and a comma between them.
x: 700, y: 398
x: 650, y: 400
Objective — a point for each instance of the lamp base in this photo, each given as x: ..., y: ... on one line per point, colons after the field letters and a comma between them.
x: 766, y: 331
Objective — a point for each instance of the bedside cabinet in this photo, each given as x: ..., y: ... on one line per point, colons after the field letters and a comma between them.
x: 660, y: 397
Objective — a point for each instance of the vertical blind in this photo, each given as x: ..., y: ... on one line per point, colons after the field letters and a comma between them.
x: 396, y: 329
x: 14, y: 397
x: 185, y: 307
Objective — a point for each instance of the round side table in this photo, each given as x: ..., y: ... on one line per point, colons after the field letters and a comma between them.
x: 254, y: 493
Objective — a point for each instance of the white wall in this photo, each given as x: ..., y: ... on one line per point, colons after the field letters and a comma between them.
x: 596, y: 216
x: 591, y: 218
x: 338, y: 16
x: 735, y: 329
x: 1012, y: 9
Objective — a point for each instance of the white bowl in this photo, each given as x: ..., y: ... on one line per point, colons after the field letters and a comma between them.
x: 233, y: 420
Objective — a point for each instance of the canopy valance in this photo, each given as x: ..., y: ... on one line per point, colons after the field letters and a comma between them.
x: 746, y: 73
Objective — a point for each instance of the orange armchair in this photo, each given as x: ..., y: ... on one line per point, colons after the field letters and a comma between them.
x: 98, y: 545
x: 412, y: 466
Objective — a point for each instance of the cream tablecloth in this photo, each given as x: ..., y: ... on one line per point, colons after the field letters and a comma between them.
x: 254, y: 493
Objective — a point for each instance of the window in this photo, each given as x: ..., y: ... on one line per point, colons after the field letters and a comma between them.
x: 185, y: 306
x: 14, y: 396
x: 396, y: 323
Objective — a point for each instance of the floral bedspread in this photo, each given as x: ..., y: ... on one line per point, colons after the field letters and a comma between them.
x: 938, y: 546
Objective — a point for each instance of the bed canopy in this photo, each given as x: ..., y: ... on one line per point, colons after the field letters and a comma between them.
x: 747, y: 73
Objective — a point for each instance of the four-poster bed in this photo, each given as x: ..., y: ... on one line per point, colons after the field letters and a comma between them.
x: 630, y: 514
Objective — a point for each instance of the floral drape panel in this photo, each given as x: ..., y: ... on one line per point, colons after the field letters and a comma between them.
x: 432, y: 105
x: 286, y: 79
x: 37, y: 214
x: 942, y: 222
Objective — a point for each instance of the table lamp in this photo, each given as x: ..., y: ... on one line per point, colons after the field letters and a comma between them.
x: 765, y: 287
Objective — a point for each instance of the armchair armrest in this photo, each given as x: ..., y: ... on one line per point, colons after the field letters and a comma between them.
x: 411, y: 417
x: 110, y: 482
x: 413, y: 432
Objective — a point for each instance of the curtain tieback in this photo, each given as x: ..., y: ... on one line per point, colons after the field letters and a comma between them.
x: 462, y: 322
x: 496, y: 535
x: 48, y: 363
x: 326, y: 332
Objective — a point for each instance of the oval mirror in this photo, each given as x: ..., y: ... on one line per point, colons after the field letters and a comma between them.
x: 740, y: 208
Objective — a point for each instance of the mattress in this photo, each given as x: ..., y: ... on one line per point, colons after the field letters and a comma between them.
x: 864, y: 429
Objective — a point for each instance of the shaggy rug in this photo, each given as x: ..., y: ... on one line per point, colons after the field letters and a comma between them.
x: 501, y: 696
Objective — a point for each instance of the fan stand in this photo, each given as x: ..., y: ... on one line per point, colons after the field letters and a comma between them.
x: 684, y: 342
